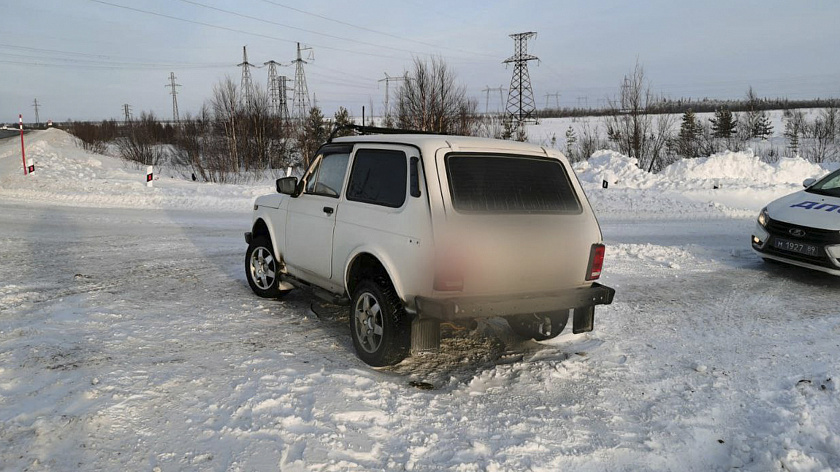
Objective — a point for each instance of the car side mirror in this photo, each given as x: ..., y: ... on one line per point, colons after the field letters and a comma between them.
x: 287, y: 185
x: 809, y: 182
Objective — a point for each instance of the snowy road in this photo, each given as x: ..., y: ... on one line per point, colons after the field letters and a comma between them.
x: 129, y: 340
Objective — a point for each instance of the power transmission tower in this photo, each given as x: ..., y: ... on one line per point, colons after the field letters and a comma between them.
x: 556, y: 96
x: 127, y: 111
x: 301, y: 91
x: 388, y: 79
x: 245, y: 84
x: 273, y: 87
x: 520, y: 104
x: 36, y: 107
x: 283, y: 95
x: 487, y: 91
x: 174, y: 94
x: 585, y: 100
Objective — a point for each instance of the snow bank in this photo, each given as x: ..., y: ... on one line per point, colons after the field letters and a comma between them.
x: 744, y: 167
x: 66, y: 174
x: 727, y: 184
x: 615, y: 168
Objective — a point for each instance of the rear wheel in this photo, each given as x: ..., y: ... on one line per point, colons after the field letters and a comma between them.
x: 262, y: 269
x: 539, y: 326
x: 378, y: 324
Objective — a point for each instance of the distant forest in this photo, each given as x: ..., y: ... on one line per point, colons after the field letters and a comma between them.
x: 705, y: 105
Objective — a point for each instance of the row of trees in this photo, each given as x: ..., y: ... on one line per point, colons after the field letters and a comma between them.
x: 231, y: 138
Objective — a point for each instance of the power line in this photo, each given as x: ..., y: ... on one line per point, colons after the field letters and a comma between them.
x: 320, y: 33
x: 363, y: 28
x: 225, y: 28
x: 94, y: 63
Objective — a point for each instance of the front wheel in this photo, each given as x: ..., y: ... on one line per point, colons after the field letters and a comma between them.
x: 262, y: 269
x: 539, y: 326
x: 378, y: 324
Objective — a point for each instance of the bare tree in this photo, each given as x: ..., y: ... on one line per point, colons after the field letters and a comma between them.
x: 630, y: 123
x: 430, y: 100
x: 226, y: 104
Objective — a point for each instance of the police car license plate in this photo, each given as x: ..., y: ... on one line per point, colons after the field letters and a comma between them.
x: 791, y: 246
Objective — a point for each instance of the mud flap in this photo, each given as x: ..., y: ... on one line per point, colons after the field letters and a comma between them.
x: 584, y: 319
x: 425, y: 335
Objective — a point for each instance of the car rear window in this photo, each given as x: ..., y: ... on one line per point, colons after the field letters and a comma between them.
x: 510, y: 184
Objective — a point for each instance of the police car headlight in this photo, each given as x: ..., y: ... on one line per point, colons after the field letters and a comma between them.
x: 763, y: 218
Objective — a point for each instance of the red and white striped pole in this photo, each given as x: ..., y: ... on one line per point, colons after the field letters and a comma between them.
x: 22, y: 150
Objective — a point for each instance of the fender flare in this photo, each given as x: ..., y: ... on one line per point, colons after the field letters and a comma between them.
x: 386, y: 262
x: 266, y: 220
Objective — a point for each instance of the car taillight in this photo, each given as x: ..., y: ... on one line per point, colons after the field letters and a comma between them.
x: 596, y: 262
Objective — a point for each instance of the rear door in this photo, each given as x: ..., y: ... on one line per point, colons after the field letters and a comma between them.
x: 311, y: 216
x: 515, y: 223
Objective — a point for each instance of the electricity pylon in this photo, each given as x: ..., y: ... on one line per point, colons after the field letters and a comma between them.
x: 301, y: 91
x: 174, y: 93
x: 520, y: 104
x: 245, y: 83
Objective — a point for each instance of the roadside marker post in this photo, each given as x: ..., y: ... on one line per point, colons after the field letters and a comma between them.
x: 150, y: 175
x: 22, y: 149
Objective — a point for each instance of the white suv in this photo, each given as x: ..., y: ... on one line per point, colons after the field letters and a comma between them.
x: 409, y: 230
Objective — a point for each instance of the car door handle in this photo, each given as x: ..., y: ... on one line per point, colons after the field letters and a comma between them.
x: 328, y: 210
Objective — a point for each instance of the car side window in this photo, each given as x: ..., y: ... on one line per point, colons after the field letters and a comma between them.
x: 328, y: 176
x: 378, y: 177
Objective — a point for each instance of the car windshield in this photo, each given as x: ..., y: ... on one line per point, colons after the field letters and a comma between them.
x: 510, y: 184
x: 828, y: 185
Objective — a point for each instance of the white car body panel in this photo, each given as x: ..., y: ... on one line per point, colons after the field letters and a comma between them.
x: 541, y: 252
x: 807, y: 209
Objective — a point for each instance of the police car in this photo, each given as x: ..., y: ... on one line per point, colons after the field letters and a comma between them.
x: 803, y: 228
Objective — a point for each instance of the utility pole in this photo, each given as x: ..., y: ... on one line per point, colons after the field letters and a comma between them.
x: 245, y: 83
x: 301, y: 91
x: 388, y: 79
x: 556, y: 96
x: 273, y: 87
x: 520, y: 104
x: 35, y: 105
x: 127, y: 111
x: 174, y: 93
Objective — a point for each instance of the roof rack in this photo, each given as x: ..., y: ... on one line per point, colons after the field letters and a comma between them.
x: 374, y: 130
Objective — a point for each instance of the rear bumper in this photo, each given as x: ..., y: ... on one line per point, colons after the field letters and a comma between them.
x: 450, y: 309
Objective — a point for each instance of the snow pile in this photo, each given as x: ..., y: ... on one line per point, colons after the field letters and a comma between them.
x: 66, y: 174
x: 744, y: 167
x: 616, y: 169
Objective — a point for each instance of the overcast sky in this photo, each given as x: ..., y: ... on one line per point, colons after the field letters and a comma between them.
x: 83, y: 59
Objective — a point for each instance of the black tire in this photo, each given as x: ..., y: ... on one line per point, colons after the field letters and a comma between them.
x: 262, y: 269
x: 539, y: 326
x: 391, y: 344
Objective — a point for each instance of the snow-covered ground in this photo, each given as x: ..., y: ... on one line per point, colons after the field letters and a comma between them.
x: 129, y: 340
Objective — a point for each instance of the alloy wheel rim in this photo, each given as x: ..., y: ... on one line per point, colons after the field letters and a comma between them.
x: 262, y: 268
x: 368, y: 322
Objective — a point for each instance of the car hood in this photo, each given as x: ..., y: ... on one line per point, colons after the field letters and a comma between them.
x: 807, y: 209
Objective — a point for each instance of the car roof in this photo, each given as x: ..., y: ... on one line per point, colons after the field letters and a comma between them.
x: 428, y: 141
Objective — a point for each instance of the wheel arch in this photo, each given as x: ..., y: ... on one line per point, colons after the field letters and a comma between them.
x: 262, y: 228
x: 364, y: 262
